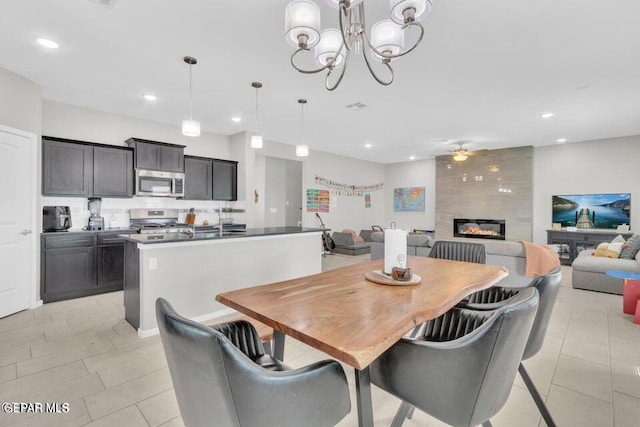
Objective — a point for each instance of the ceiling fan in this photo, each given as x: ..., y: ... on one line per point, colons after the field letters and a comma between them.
x: 460, y: 154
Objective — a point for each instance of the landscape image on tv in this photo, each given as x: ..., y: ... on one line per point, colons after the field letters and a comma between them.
x: 592, y: 210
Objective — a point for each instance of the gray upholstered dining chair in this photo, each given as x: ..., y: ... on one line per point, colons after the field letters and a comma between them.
x: 221, y: 376
x: 492, y: 298
x: 459, y: 251
x: 461, y: 368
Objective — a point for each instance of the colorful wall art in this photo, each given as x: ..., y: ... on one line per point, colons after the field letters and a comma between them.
x: 317, y: 200
x: 408, y: 199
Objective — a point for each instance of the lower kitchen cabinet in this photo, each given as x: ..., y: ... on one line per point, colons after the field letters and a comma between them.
x: 80, y: 264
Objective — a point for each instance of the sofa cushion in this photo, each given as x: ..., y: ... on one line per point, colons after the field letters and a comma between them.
x: 419, y: 240
x: 586, y: 262
x: 608, y: 250
x: 503, y: 247
x: 377, y: 236
x: 632, y: 248
x: 342, y: 239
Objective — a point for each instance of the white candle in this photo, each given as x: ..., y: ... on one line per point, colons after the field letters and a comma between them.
x: 395, y: 249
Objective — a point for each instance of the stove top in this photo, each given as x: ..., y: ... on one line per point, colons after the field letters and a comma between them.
x: 157, y: 221
x: 159, y: 228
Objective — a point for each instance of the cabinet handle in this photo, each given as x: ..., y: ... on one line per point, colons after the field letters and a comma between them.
x: 25, y: 232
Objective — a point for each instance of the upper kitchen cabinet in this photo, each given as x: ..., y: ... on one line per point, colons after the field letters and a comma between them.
x: 198, y: 173
x: 156, y: 155
x: 67, y: 168
x: 225, y: 180
x: 112, y: 172
x: 83, y: 169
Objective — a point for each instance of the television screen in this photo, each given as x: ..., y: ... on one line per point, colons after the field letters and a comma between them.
x: 592, y: 210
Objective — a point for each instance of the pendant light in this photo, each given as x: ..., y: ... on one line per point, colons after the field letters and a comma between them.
x: 302, y: 150
x: 256, y: 140
x: 190, y: 127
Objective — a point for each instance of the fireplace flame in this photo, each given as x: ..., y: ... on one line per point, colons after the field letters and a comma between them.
x: 479, y: 231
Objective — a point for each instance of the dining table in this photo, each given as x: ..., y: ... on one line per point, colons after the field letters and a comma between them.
x: 354, y: 320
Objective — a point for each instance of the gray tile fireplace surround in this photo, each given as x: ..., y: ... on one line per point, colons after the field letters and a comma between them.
x: 475, y: 189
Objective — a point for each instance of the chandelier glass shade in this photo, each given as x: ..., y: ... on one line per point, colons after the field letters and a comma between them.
x: 384, y: 43
x: 190, y: 127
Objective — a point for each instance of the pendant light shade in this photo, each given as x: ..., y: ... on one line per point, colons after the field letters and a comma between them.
x: 302, y: 150
x: 190, y: 127
x: 256, y: 140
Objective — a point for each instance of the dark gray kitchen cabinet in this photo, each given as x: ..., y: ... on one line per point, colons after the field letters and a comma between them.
x: 110, y: 262
x: 68, y: 267
x: 156, y: 155
x: 198, y: 177
x: 67, y: 168
x: 225, y: 180
x: 112, y: 172
x: 78, y: 264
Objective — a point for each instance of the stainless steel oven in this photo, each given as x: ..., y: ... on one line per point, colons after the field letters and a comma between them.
x: 158, y: 183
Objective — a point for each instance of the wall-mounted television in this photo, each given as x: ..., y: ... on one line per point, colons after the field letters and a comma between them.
x: 592, y: 210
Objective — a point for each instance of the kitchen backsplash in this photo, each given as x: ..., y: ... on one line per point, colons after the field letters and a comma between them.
x: 116, y: 211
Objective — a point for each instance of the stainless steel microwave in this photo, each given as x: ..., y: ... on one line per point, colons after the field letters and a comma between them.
x: 158, y: 183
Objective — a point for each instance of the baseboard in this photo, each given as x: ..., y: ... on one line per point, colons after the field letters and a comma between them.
x: 146, y: 333
x: 36, y: 304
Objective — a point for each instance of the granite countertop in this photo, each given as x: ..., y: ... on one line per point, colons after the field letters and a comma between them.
x: 126, y: 230
x: 229, y: 234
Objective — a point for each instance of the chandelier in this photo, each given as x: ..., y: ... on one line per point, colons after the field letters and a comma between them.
x: 333, y: 46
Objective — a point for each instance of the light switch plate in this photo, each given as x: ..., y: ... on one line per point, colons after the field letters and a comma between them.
x: 153, y: 263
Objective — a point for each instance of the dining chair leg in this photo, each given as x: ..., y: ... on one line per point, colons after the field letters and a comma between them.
x: 536, y: 396
x: 486, y: 424
x: 411, y: 411
x: 267, y: 347
x: 401, y: 414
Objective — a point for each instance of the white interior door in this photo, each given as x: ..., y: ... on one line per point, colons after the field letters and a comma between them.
x: 17, y: 219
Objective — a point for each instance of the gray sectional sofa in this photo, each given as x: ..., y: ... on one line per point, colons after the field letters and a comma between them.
x: 589, y: 272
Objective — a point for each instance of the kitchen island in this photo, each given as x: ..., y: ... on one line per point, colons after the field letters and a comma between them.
x: 189, y: 270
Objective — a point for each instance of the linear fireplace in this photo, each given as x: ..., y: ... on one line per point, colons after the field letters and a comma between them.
x: 479, y: 228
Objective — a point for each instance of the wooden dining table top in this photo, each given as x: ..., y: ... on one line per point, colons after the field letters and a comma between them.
x: 354, y: 320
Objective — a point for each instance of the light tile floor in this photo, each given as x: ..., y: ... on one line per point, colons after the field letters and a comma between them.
x: 83, y: 352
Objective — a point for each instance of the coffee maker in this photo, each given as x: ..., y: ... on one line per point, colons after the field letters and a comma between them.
x: 96, y: 222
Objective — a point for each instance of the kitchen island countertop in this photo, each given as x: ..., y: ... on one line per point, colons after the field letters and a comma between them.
x: 215, y: 235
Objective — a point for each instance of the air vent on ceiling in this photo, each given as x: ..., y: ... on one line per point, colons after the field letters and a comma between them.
x: 357, y: 106
x: 106, y: 3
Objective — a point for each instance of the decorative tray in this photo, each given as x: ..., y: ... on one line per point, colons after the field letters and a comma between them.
x: 377, y: 276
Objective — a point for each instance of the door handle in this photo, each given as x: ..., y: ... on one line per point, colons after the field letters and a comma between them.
x: 25, y: 232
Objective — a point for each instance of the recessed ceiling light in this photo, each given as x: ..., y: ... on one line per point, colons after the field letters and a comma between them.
x: 412, y: 157
x: 236, y: 119
x: 150, y: 97
x: 561, y: 140
x: 48, y: 43
x: 546, y: 115
x: 368, y: 145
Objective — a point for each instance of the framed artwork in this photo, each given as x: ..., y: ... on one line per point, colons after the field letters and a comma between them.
x: 408, y: 199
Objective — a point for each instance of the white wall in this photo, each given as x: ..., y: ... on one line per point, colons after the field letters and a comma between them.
x: 411, y: 174
x: 85, y: 124
x: 602, y: 166
x: 20, y: 107
x: 349, y: 212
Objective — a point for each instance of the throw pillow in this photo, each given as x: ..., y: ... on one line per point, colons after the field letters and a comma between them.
x: 356, y: 238
x: 632, y: 248
x: 618, y: 239
x: 608, y: 250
